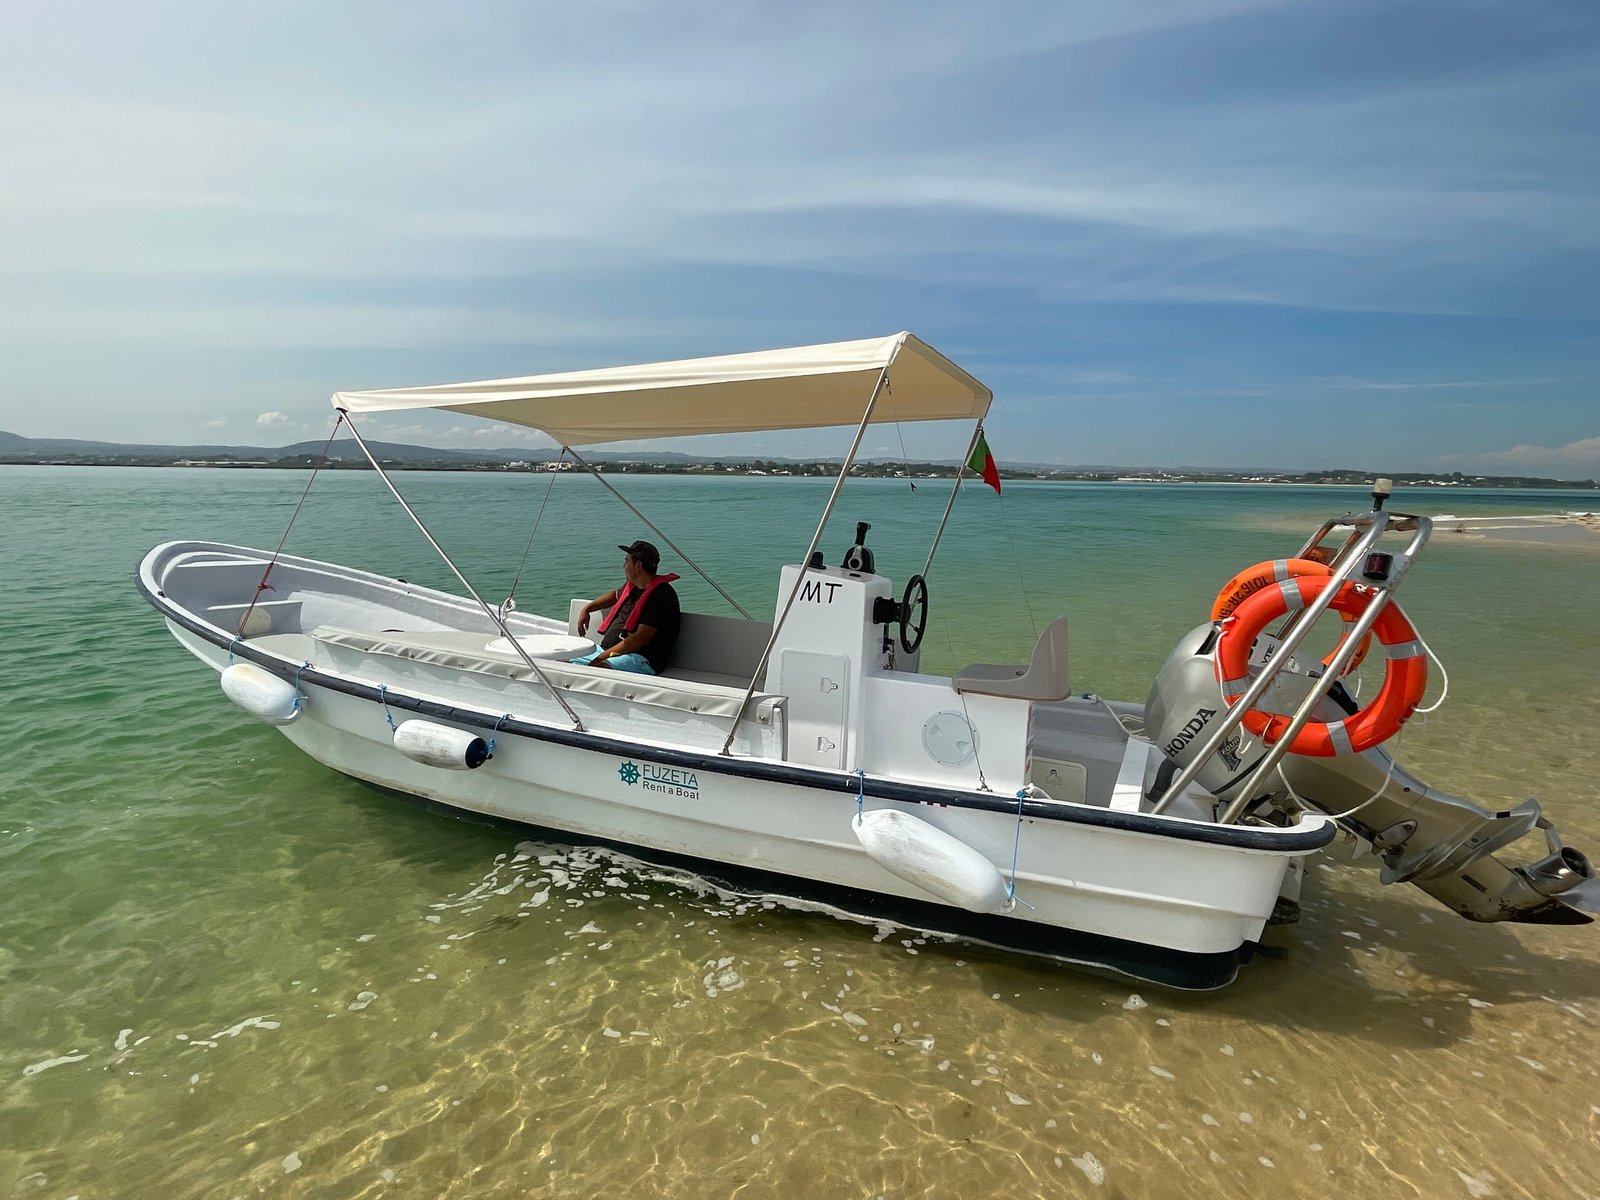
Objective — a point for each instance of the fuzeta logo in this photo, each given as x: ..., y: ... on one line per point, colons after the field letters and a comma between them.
x: 670, y: 781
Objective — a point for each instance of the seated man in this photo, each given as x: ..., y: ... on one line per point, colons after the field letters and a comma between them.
x: 641, y: 622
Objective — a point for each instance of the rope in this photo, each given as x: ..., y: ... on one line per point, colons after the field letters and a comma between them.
x: 236, y: 639
x: 905, y: 460
x: 263, y: 586
x: 1434, y: 707
x: 510, y: 602
x: 298, y: 698
x: 983, y: 784
x: 1016, y: 847
x: 1016, y: 562
x: 383, y: 699
x: 496, y: 728
x: 861, y: 797
x: 1349, y: 812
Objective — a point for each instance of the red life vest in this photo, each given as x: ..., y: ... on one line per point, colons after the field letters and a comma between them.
x: 637, y: 611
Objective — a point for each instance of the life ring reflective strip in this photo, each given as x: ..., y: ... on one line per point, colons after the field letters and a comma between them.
x: 1405, y: 673
x: 1278, y: 570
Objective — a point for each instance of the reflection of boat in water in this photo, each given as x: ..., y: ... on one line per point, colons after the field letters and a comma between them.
x: 808, y: 755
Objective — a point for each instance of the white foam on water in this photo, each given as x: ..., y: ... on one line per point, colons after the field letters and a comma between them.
x: 1135, y: 1002
x: 247, y: 1023
x: 62, y: 1061
x: 1090, y: 1166
x: 361, y: 1001
x: 1532, y: 1062
x: 1162, y: 1074
x: 1228, y: 1050
x: 1017, y: 1100
x: 1476, y: 1187
x: 853, y: 1018
x: 611, y: 1033
x: 1208, y: 1119
x: 291, y: 1162
x: 1476, y: 1003
x: 1265, y: 1161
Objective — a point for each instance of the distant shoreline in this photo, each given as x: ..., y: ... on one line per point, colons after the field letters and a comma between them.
x: 873, y: 470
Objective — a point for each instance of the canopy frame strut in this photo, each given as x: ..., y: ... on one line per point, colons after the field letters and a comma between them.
x: 498, y: 621
x: 977, y: 432
x: 656, y: 529
x: 805, y: 563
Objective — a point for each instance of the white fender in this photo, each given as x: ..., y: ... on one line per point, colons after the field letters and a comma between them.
x: 931, y: 859
x: 261, y: 693
x: 441, y: 746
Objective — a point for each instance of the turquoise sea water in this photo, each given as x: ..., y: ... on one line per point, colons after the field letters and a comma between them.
x: 225, y: 971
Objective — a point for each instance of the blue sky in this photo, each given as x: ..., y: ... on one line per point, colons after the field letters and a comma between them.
x: 1208, y: 232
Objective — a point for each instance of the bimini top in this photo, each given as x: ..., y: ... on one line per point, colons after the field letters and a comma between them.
x: 809, y: 387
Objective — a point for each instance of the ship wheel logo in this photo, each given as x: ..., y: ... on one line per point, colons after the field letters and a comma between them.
x: 628, y: 773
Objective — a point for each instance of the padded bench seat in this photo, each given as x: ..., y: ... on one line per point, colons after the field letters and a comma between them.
x: 466, y: 652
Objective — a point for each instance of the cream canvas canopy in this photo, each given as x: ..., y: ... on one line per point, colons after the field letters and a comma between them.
x: 809, y: 387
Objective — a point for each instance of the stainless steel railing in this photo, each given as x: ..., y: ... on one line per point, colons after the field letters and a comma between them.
x: 1351, y: 559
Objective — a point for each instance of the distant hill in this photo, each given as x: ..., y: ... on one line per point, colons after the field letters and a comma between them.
x: 15, y: 448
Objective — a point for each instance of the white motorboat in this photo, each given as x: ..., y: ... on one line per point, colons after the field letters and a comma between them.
x: 809, y: 756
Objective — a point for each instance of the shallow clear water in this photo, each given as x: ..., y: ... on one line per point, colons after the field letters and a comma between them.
x: 225, y: 971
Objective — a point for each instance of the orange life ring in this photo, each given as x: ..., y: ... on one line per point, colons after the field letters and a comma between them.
x: 1264, y: 574
x: 1405, y: 673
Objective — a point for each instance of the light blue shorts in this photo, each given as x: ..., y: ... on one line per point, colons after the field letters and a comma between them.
x: 637, y: 663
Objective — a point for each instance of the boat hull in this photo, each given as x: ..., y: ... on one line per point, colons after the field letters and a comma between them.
x: 1172, y: 901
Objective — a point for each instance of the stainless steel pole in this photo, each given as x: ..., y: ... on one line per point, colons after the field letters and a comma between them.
x: 487, y: 611
x: 977, y: 432
x: 805, y: 563
x: 693, y: 566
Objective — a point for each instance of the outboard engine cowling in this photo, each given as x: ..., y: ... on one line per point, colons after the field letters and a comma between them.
x: 1440, y: 843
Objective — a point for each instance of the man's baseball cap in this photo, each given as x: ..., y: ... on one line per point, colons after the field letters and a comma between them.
x: 649, y: 557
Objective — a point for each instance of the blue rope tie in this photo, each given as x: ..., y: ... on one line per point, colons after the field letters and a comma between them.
x: 861, y: 799
x: 1016, y: 846
x: 236, y: 639
x: 298, y: 698
x: 387, y: 715
x: 496, y: 730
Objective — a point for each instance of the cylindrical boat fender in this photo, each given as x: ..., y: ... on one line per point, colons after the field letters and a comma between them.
x: 931, y: 859
x: 440, y: 746
x: 261, y: 693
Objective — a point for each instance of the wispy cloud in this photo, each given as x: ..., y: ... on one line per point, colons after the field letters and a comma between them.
x: 1190, y: 201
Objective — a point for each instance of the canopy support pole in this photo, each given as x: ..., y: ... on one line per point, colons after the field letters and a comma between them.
x: 493, y: 616
x: 977, y: 432
x: 805, y: 563
x: 689, y: 562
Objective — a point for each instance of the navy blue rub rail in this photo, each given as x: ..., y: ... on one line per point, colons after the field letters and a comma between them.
x: 1240, y: 836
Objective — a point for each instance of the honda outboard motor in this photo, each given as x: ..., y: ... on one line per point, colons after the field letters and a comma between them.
x: 1441, y: 843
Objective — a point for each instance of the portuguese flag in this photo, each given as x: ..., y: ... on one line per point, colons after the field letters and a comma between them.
x: 982, y: 463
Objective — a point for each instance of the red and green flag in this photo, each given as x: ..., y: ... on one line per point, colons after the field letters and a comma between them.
x: 982, y: 463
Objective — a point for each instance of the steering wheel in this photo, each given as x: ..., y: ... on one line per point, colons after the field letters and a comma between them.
x: 913, y: 613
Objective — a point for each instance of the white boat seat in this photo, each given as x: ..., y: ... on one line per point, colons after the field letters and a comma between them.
x: 710, y: 649
x: 1044, y: 678
x: 448, y: 651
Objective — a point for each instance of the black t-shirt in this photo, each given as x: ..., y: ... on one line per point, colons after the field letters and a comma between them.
x: 660, y: 613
